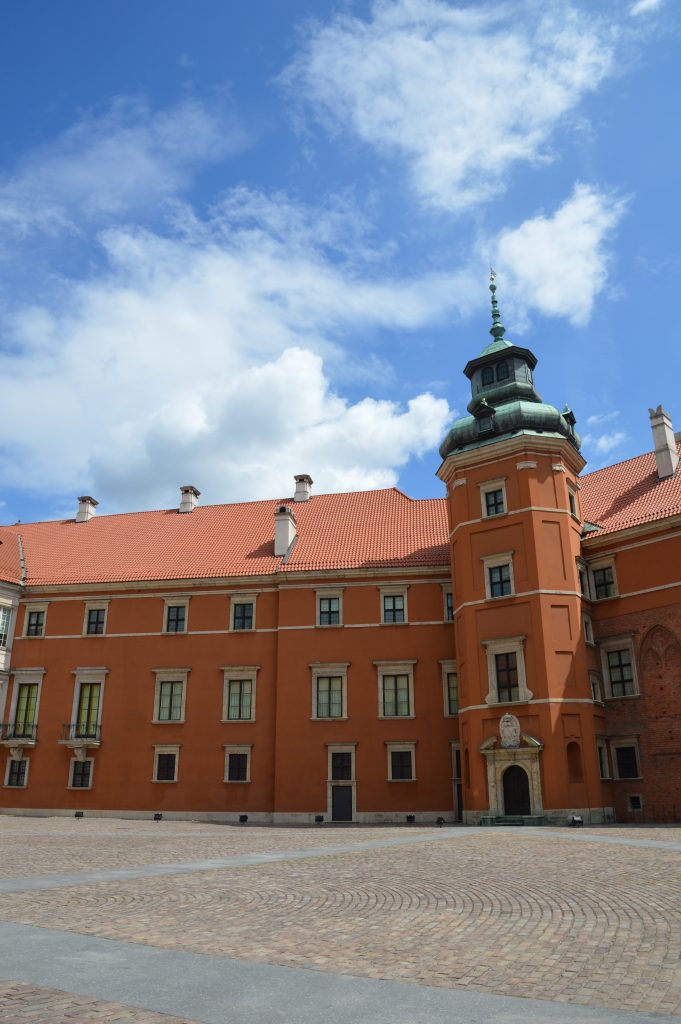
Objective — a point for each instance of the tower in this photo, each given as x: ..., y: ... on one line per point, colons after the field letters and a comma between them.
x: 526, y: 711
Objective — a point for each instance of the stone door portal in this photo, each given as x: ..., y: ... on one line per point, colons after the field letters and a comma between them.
x: 516, y: 791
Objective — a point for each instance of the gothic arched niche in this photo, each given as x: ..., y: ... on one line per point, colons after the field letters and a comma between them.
x: 660, y: 657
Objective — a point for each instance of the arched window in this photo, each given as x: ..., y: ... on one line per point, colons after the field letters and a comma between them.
x: 574, y: 760
x: 487, y: 376
x: 502, y: 371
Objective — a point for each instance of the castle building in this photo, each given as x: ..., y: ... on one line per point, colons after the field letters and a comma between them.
x: 509, y: 652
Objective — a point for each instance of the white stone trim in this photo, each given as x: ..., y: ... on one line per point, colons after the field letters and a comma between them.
x: 394, y: 591
x: 238, y: 673
x: 397, y: 747
x: 237, y: 748
x: 169, y: 675
x: 175, y: 602
x: 95, y: 606
x: 322, y: 670
x: 329, y: 592
x: 35, y: 606
x: 166, y: 748
x: 80, y: 760
x: 506, y: 645
x: 396, y: 668
x: 7, y: 764
x: 495, y: 562
x: 486, y: 488
x: 602, y: 563
x: 243, y: 598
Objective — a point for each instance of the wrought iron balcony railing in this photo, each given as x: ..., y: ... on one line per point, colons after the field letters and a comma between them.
x: 85, y: 732
x: 15, y: 731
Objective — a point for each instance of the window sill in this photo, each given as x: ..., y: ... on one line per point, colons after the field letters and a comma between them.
x: 79, y: 789
x: 451, y: 714
x: 237, y: 782
x: 91, y: 636
x: 405, y: 623
x: 499, y: 597
x: 624, y: 696
x: 401, y: 780
x: 14, y: 787
x: 330, y: 625
x: 236, y: 721
x: 495, y: 515
x: 630, y: 778
x: 251, y: 629
x: 610, y: 597
x: 329, y: 718
x: 164, y: 782
x: 391, y: 718
x: 168, y: 721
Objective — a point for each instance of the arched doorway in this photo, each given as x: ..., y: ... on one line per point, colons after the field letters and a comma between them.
x: 516, y: 791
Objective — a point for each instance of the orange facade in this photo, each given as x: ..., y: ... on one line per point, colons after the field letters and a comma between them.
x: 511, y: 651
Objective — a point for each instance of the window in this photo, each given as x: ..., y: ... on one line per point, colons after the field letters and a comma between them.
x: 341, y: 765
x: 35, y: 621
x: 572, y: 501
x: 502, y: 371
x: 237, y: 763
x: 176, y: 616
x: 449, y: 606
x: 635, y: 801
x: 329, y: 608
x: 5, y: 619
x: 26, y: 710
x: 166, y: 764
x: 242, y: 612
x: 239, y: 693
x: 401, y: 763
x: 588, y: 630
x: 620, y: 671
x: 395, y: 689
x: 595, y: 683
x: 329, y: 697
x: 506, y: 670
x: 81, y: 774
x: 498, y: 571
x: 604, y: 582
x: 394, y: 607
x: 94, y: 623
x: 170, y: 694
x: 602, y: 751
x: 487, y: 376
x: 87, y: 711
x: 450, y: 686
x: 583, y: 581
x: 493, y: 497
x: 485, y: 424
x: 17, y: 773
x: 625, y: 760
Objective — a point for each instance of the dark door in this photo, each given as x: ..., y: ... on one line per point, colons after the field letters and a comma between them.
x: 341, y: 803
x: 516, y: 791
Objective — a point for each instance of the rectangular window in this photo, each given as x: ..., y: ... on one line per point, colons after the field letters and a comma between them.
x: 35, y: 623
x: 87, y: 714
x: 449, y: 606
x: 395, y: 695
x: 329, y: 696
x: 499, y: 580
x: 452, y: 693
x: 16, y: 773
x: 96, y: 617
x: 494, y: 503
x: 243, y: 615
x: 583, y: 583
x: 620, y: 673
x: 573, y: 502
x: 329, y: 611
x: 170, y: 699
x: 5, y: 617
x: 626, y: 761
x: 401, y: 764
x: 341, y: 766
x: 81, y: 774
x: 507, y: 676
x: 393, y: 607
x: 237, y: 767
x: 602, y: 760
x: 240, y: 699
x: 176, y: 618
x: 604, y: 582
x: 166, y: 767
x: 595, y: 684
x: 24, y: 717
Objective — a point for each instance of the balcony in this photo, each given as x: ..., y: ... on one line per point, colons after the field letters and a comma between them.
x: 18, y: 734
x: 80, y: 734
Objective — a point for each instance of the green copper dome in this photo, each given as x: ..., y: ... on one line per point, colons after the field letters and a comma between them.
x: 504, y: 400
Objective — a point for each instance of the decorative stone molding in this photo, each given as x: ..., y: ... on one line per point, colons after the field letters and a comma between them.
x: 499, y: 758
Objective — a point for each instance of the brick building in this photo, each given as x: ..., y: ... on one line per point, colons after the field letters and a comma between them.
x: 510, y: 650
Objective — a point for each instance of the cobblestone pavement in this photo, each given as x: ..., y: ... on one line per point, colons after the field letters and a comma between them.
x: 542, y: 916
x: 28, y: 1004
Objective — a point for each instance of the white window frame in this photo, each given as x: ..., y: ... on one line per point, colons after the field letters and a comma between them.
x: 625, y: 741
x: 238, y: 673
x: 169, y: 675
x: 32, y: 606
x: 603, y: 563
x: 320, y: 670
x: 582, y: 567
x: 486, y: 488
x: 399, y: 747
x: 238, y: 748
x: 329, y: 592
x: 601, y: 745
x: 449, y: 666
x: 399, y: 591
x: 596, y: 687
x: 6, y: 784
x: 495, y: 562
x: 11, y: 608
x: 80, y: 760
x: 236, y: 599
x: 396, y: 668
x: 166, y: 748
x: 507, y: 645
x: 95, y: 606
x: 588, y: 627
x: 88, y: 675
x: 622, y: 643
x: 573, y: 492
x: 174, y: 602
x: 30, y: 677
x: 447, y: 591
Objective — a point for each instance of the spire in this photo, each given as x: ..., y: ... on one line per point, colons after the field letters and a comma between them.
x: 497, y: 330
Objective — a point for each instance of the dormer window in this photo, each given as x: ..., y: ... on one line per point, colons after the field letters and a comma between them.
x: 502, y: 371
x: 487, y: 376
x: 484, y: 424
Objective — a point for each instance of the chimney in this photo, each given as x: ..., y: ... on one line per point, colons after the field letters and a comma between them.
x: 664, y: 441
x: 86, y: 508
x: 303, y: 487
x: 189, y: 498
x: 284, y: 530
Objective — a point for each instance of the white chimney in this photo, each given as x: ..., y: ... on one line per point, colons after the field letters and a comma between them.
x: 664, y: 441
x: 303, y: 487
x: 189, y: 498
x: 284, y: 530
x: 86, y: 508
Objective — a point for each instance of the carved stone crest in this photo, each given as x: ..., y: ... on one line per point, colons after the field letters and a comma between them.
x: 509, y: 731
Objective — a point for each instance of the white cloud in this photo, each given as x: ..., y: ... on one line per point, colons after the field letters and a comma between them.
x: 598, y: 419
x: 462, y: 94
x: 644, y: 6
x: 603, y: 444
x: 111, y: 163
x: 206, y: 357
x: 558, y: 263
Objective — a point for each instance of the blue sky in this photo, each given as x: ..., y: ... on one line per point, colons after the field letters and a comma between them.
x: 240, y: 241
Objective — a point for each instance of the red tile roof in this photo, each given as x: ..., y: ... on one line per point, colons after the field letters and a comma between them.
x: 360, y: 530
x: 10, y: 562
x: 629, y: 494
